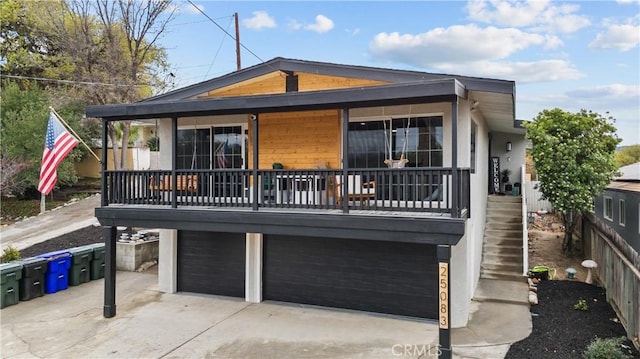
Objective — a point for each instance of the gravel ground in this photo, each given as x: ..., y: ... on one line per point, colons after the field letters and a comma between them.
x: 560, y: 331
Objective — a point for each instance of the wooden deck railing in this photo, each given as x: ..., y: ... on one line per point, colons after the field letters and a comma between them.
x: 407, y: 189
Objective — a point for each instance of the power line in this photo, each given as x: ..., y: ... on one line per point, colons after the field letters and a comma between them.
x: 217, y: 52
x: 66, y: 81
x: 225, y: 31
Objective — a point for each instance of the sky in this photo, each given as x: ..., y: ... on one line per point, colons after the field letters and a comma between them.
x: 568, y: 54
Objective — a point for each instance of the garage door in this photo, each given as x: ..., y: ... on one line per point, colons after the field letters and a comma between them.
x: 211, y: 263
x: 375, y: 276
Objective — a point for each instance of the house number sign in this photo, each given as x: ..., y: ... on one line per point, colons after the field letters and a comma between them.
x: 443, y: 296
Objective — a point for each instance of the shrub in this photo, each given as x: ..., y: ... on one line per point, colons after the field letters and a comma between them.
x: 609, y: 348
x: 581, y: 305
x: 9, y: 254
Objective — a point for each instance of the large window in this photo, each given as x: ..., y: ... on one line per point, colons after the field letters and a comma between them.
x: 418, y: 138
x: 194, y: 149
x: 608, y: 208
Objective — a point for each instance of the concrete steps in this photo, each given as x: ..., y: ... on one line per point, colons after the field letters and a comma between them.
x: 502, y: 248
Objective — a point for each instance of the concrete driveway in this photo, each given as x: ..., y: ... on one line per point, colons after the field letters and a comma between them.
x: 151, y: 324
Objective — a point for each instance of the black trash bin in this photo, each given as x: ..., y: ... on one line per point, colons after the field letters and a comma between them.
x: 32, y: 281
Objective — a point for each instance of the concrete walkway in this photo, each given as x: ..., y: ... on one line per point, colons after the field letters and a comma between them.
x: 152, y: 324
x: 50, y: 224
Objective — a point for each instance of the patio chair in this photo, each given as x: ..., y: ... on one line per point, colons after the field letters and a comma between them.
x: 357, y: 190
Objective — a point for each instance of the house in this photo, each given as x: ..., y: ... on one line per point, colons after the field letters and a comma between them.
x: 619, y: 205
x: 273, y: 186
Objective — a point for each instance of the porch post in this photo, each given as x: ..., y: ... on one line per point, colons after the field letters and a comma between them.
x: 455, y: 180
x: 444, y: 301
x: 345, y: 161
x: 174, y: 161
x: 104, y: 199
x: 256, y: 180
x: 109, y: 310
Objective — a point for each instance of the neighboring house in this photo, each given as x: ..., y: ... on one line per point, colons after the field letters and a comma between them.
x: 230, y: 224
x: 619, y: 205
x: 139, y: 156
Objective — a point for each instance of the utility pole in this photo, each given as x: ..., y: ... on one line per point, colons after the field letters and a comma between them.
x: 237, y: 42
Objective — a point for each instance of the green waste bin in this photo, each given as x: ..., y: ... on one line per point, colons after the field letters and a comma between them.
x: 10, y: 274
x: 97, y: 264
x: 80, y: 270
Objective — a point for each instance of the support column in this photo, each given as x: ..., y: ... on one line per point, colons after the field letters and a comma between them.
x: 174, y: 161
x: 455, y: 179
x: 256, y: 180
x: 345, y: 161
x: 104, y: 200
x: 444, y: 302
x: 168, y: 260
x: 109, y: 310
x: 253, y: 268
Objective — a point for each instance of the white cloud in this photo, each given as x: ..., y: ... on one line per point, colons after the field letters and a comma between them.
x: 536, y: 14
x: 522, y: 72
x: 457, y: 44
x: 611, y: 91
x: 622, y: 37
x: 260, y: 20
x: 323, y: 24
x: 627, y: 1
x: 185, y: 9
x: 192, y: 9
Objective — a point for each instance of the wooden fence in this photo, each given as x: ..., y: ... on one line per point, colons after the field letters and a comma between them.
x: 618, y: 271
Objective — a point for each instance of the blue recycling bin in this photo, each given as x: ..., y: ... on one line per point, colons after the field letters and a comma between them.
x: 57, y: 277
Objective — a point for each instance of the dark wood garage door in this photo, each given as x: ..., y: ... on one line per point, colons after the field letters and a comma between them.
x: 375, y: 276
x: 211, y: 263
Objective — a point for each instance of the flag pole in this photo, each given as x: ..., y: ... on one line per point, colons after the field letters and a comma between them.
x: 74, y: 132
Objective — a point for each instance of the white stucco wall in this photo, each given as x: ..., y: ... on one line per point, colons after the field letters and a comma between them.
x: 513, y: 159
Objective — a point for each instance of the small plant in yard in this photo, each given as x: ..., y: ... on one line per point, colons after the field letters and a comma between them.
x: 9, y: 254
x: 609, y: 348
x: 581, y: 305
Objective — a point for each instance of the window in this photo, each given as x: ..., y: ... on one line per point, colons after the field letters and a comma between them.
x: 608, y: 208
x: 474, y: 131
x: 420, y: 138
x: 622, y: 212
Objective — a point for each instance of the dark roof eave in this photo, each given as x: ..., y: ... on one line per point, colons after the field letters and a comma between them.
x: 330, y: 69
x: 423, y: 91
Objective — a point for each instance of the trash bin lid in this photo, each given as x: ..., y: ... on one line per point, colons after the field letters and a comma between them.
x: 32, y: 261
x: 55, y: 254
x: 78, y: 251
x: 10, y: 267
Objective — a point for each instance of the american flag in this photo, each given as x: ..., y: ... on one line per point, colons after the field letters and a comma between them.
x: 220, y: 156
x: 58, y: 143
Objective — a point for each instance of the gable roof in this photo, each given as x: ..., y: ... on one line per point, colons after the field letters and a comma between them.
x: 331, y: 69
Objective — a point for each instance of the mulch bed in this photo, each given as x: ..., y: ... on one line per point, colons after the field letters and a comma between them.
x: 80, y: 237
x: 560, y: 331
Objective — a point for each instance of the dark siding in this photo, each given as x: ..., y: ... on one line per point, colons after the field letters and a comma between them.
x: 211, y: 263
x: 631, y: 230
x: 375, y: 276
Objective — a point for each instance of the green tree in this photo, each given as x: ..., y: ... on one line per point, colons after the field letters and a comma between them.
x: 574, y: 157
x: 628, y: 155
x: 24, y: 113
x: 107, y: 49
